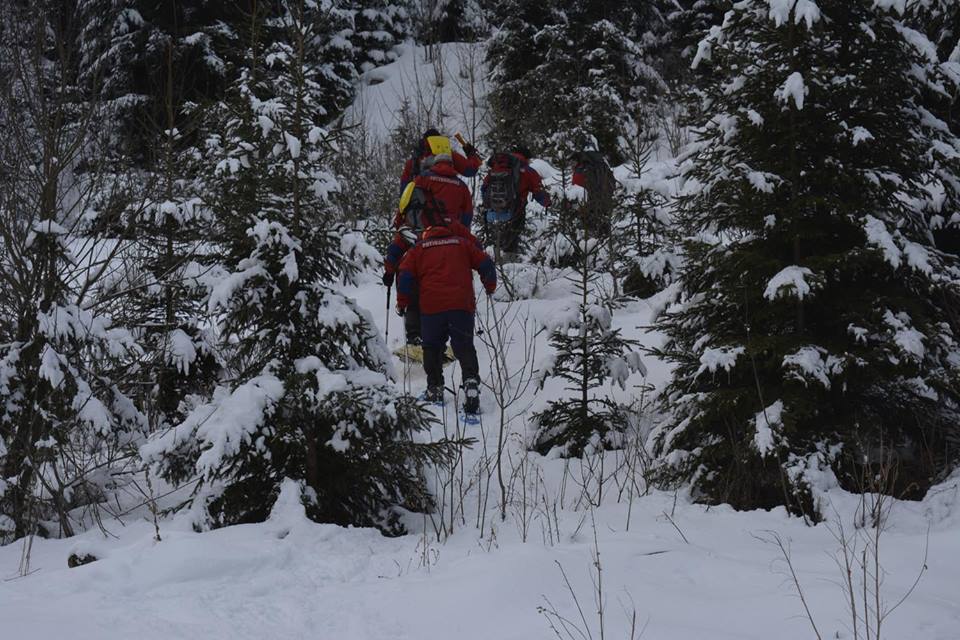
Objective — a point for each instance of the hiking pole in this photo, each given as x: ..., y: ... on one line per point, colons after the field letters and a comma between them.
x: 386, y: 337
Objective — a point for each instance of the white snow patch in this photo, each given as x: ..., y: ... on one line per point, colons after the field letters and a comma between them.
x: 793, y: 88
x: 860, y: 135
x: 879, y: 236
x: 908, y: 339
x: 813, y: 363
x: 293, y: 145
x: 766, y: 422
x: 183, y: 352
x: 789, y: 281
x: 802, y: 11
x: 721, y: 358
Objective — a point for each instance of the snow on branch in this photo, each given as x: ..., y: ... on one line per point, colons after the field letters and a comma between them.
x: 222, y: 425
x: 879, y: 236
x: 766, y: 423
x: 908, y: 339
x: 812, y: 363
x: 792, y: 88
x: 791, y: 280
x: 722, y: 358
x: 801, y: 10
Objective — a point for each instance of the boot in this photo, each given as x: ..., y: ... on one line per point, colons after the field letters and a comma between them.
x: 471, y: 393
x: 433, y: 394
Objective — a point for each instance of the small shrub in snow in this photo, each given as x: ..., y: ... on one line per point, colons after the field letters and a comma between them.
x: 590, y: 356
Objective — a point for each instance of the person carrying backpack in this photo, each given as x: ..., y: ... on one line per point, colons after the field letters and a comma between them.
x: 440, y: 267
x: 433, y: 148
x: 435, y: 197
x: 592, y: 172
x: 505, y: 189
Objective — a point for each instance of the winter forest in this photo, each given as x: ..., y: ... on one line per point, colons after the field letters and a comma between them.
x: 457, y: 319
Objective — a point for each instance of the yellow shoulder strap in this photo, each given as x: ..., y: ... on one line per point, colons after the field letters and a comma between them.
x: 406, y: 195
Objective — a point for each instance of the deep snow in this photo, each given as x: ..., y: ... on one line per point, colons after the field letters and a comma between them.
x: 290, y: 578
x: 689, y: 572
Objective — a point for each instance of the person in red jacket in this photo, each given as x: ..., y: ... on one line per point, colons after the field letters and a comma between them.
x: 441, y: 267
x: 506, y: 188
x: 431, y: 149
x: 440, y: 193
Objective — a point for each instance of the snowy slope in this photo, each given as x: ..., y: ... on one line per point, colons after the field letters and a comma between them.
x: 447, y: 85
x: 689, y: 572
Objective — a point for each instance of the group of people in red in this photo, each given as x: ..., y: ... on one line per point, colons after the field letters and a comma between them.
x: 434, y: 253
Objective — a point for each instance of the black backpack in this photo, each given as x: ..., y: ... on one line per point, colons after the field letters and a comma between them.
x: 423, y: 210
x: 599, y: 179
x: 502, y: 193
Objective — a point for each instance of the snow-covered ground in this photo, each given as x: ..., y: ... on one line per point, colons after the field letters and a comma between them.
x: 688, y: 572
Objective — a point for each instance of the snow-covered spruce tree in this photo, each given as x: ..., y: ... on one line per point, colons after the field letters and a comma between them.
x: 127, y: 47
x: 66, y: 429
x: 376, y: 28
x: 309, y: 400
x: 940, y: 20
x: 689, y: 22
x: 590, y: 356
x: 810, y: 329
x: 646, y: 236
x: 172, y: 260
x: 557, y: 90
x: 453, y: 20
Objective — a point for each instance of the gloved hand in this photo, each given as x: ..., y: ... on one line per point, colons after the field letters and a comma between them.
x: 387, y: 279
x: 470, y: 150
x: 544, y: 198
x: 401, y: 311
x: 490, y: 290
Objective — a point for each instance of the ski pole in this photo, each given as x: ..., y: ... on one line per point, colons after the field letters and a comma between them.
x: 386, y: 337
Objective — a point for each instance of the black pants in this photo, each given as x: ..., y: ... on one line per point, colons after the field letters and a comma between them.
x: 411, y: 320
x: 458, y: 327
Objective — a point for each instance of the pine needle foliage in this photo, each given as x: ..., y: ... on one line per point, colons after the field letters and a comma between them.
x: 810, y: 327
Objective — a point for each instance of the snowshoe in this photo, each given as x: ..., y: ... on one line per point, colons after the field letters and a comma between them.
x: 469, y: 419
x: 411, y: 352
x: 432, y: 395
x: 471, y: 392
x: 414, y: 353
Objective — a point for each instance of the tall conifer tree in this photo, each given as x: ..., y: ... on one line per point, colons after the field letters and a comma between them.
x: 811, y: 322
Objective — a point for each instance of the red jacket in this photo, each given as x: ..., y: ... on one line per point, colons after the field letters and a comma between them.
x: 400, y: 245
x: 441, y: 266
x: 449, y: 191
x: 466, y: 166
x: 452, y: 195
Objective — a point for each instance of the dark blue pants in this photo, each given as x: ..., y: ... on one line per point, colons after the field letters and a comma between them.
x: 411, y: 319
x: 435, y: 329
